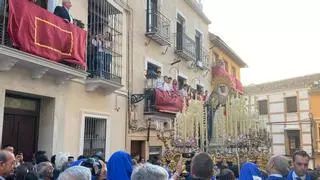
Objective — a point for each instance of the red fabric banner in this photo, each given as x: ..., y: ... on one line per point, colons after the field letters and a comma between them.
x: 168, y: 101
x: 37, y: 31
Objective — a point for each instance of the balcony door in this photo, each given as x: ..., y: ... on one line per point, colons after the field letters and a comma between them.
x: 198, y: 38
x: 180, y: 32
x: 152, y: 13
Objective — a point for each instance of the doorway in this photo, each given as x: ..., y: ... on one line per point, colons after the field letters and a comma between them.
x: 21, y: 124
x: 138, y: 148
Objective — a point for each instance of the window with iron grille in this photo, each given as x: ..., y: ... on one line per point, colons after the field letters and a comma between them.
x: 104, y: 55
x: 94, y: 135
x: 263, y: 107
x: 291, y: 104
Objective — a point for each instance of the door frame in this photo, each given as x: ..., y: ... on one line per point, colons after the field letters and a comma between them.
x: 22, y: 112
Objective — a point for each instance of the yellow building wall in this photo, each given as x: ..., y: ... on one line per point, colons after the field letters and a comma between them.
x: 231, y: 63
x: 314, y: 99
x: 315, y: 106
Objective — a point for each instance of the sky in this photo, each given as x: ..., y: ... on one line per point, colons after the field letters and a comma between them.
x: 278, y: 39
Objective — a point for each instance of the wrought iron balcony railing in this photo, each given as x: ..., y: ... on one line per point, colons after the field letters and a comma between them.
x: 185, y: 46
x: 104, y: 51
x: 158, y: 27
x: 202, y: 58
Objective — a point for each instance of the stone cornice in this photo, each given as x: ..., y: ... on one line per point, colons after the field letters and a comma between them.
x: 196, y: 7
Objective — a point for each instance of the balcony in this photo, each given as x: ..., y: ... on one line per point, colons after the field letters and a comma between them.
x: 185, y: 47
x: 158, y: 27
x: 203, y: 59
x: 158, y: 101
x: 104, y: 50
x: 29, y: 54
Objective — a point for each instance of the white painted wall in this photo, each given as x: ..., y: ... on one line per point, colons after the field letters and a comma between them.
x: 276, y: 108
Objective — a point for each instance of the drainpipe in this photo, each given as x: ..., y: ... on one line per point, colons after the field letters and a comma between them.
x: 129, y: 12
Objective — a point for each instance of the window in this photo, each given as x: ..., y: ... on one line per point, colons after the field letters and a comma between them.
x: 180, y: 32
x: 263, y: 107
x: 181, y: 82
x: 152, y: 71
x: 152, y: 74
x: 152, y: 13
x: 233, y: 71
x: 198, y: 38
x: 294, y: 141
x: 291, y: 104
x: 226, y: 65
x: 94, y: 135
x: 104, y: 54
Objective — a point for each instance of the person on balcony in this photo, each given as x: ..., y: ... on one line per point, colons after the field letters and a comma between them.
x: 64, y: 11
x: 167, y: 84
x: 159, y: 81
x: 175, y: 85
x: 98, y: 55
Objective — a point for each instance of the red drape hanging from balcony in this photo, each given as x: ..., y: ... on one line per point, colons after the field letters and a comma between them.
x: 168, y: 101
x: 37, y: 31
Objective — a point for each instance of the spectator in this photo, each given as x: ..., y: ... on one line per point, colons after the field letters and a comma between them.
x: 175, y: 85
x: 40, y: 157
x: 227, y: 174
x: 76, y: 173
x: 7, y: 164
x: 119, y: 166
x: 250, y: 171
x: 300, y: 166
x: 45, y: 170
x: 278, y: 167
x: 166, y: 84
x: 61, y: 159
x: 64, y: 11
x: 23, y: 170
x: 149, y: 172
x: 202, y: 166
x: 8, y: 147
x: 53, y: 160
x: 159, y: 81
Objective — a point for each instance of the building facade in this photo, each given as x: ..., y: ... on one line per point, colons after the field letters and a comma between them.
x: 172, y: 38
x: 314, y: 98
x: 286, y: 108
x: 60, y: 106
x: 227, y: 103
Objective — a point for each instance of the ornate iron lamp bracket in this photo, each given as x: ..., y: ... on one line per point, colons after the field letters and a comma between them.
x: 135, y: 98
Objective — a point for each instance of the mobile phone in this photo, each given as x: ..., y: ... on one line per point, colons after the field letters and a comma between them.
x: 187, y: 155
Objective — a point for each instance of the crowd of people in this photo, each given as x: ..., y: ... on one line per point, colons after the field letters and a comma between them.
x: 167, y: 83
x: 122, y: 166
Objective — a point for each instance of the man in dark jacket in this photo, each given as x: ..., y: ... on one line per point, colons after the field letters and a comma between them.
x: 64, y: 11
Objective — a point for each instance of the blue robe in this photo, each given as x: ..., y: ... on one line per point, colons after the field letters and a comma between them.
x: 119, y: 166
x: 248, y: 170
x: 276, y: 178
x: 289, y: 177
